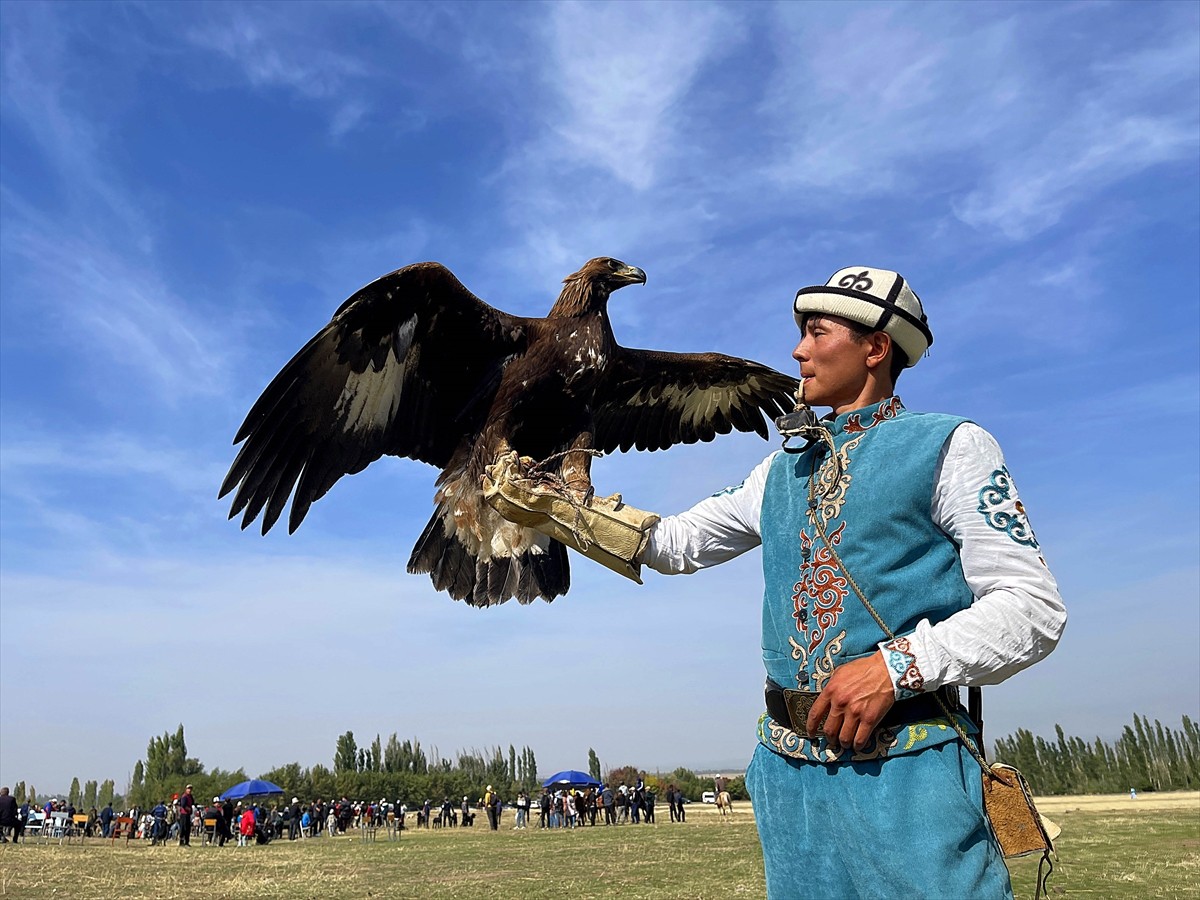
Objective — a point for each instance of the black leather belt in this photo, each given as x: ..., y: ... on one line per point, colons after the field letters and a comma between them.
x: 791, y: 708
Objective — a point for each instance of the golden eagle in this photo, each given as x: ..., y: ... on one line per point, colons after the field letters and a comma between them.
x: 416, y: 365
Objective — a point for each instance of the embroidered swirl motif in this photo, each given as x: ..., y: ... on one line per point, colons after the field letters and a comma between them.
x: 919, y: 731
x: 996, y: 494
x: 824, y: 667
x: 903, y: 662
x: 859, y: 282
x: 786, y: 742
x: 833, y: 495
x: 818, y: 595
x: 886, y: 410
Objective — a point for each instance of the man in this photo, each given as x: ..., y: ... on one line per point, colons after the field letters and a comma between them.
x: 158, y: 830
x: 217, y: 815
x: 491, y: 808
x: 226, y: 823
x: 106, y: 817
x: 294, y: 815
x: 918, y: 511
x: 22, y: 820
x: 8, y: 815
x: 186, y: 804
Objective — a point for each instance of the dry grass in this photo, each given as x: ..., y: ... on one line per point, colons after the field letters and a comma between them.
x: 1111, y: 847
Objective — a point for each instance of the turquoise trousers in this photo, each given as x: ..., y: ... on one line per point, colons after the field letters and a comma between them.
x: 910, y: 826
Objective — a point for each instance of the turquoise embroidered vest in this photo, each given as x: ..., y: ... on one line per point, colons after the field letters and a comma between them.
x: 877, y: 516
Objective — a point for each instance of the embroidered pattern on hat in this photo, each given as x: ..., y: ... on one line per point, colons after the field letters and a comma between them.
x: 994, y: 497
x: 859, y: 282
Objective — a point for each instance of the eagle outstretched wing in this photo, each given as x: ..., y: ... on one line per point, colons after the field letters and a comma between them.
x: 653, y: 399
x: 407, y: 366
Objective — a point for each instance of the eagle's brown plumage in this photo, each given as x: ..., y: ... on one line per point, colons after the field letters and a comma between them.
x: 416, y: 365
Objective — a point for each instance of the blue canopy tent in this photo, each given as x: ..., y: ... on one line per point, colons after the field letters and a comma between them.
x: 571, y: 778
x: 253, y: 788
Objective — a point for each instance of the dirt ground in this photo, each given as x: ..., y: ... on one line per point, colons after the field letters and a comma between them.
x: 1179, y: 800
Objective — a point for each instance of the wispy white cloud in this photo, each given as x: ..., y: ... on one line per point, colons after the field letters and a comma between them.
x: 285, y: 48
x: 1141, y: 112
x: 274, y: 48
x: 859, y: 101
x: 618, y: 75
x: 40, y: 95
x: 949, y: 102
x: 111, y: 305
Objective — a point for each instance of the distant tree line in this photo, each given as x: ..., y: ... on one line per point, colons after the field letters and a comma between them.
x: 1146, y: 757
x: 692, y: 785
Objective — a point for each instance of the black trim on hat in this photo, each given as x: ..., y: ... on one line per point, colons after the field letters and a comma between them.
x: 886, y: 304
x: 897, y: 286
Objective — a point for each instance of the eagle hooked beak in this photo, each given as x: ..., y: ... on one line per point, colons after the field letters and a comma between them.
x: 627, y: 275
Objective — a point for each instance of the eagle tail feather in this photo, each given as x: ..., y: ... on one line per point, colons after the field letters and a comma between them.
x: 487, y: 582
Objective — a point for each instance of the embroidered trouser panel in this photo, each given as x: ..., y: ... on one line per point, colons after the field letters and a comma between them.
x: 906, y: 826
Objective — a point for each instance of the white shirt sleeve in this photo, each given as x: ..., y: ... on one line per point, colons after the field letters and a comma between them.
x: 716, y: 529
x: 1018, y: 615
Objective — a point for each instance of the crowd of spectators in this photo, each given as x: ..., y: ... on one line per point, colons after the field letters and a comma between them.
x: 180, y: 818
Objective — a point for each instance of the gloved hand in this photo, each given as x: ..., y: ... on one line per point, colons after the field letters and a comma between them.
x: 604, y: 529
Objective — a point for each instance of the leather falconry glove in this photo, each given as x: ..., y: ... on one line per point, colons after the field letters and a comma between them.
x: 604, y: 529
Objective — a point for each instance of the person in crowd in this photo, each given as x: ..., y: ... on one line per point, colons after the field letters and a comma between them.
x: 22, y: 820
x: 608, y: 800
x: 521, y: 805
x: 671, y: 802
x: 8, y: 814
x: 246, y: 827
x: 544, y: 809
x: 489, y: 805
x: 227, y: 822
x: 213, y: 812
x: 650, y: 798
x: 106, y: 818
x: 296, y: 815
x: 158, y: 824
x: 186, y: 804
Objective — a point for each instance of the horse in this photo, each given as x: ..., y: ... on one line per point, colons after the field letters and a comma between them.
x: 724, y: 803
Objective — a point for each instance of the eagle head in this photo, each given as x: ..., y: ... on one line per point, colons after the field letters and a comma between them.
x: 588, y: 289
x: 606, y: 272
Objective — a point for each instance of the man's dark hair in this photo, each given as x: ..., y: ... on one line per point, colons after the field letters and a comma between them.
x: 861, y: 333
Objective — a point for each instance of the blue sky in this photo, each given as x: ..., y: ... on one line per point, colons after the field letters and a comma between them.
x: 188, y: 191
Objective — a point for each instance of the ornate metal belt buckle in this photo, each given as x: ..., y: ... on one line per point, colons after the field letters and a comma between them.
x: 799, y: 704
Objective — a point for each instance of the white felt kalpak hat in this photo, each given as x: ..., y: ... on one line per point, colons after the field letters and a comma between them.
x: 876, y: 298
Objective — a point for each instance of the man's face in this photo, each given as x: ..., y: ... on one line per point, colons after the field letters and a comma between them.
x: 832, y: 362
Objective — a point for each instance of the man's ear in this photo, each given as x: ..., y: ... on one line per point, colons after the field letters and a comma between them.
x: 880, y: 352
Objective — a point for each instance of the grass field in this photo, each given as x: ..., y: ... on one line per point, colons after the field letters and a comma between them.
x: 1110, y: 847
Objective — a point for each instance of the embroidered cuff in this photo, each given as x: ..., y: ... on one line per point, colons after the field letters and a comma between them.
x: 907, y: 680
